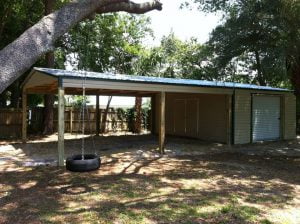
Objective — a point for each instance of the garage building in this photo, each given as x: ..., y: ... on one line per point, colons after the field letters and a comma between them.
x: 237, y: 116
x: 225, y: 112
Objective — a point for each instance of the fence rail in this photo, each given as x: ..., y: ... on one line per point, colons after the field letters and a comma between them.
x: 11, y: 121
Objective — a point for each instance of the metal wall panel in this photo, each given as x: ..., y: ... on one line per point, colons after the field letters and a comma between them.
x: 242, y: 117
x: 192, y: 106
x: 289, y: 116
x: 202, y: 116
x: 180, y: 117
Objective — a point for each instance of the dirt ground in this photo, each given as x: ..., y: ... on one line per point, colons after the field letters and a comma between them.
x: 195, y: 182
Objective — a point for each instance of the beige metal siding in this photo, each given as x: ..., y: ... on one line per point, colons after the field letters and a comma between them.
x: 169, y: 115
x: 192, y: 113
x: 213, y: 118
x: 289, y: 116
x: 156, y: 116
x: 179, y: 122
x: 242, y: 117
x: 202, y: 116
x: 213, y: 115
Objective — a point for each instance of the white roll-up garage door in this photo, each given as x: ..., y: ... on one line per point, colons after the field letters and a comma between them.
x: 265, y: 118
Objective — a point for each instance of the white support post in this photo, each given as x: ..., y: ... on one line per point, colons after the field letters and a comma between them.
x: 61, y: 124
x: 162, y: 105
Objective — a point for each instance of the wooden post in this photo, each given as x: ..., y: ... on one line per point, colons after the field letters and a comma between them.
x: 61, y: 124
x: 71, y: 119
x: 162, y: 105
x: 24, y: 116
x: 229, y: 119
x: 97, y: 115
x: 152, y: 116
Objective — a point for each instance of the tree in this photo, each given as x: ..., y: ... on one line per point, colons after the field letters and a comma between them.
x: 174, y: 58
x: 15, y: 17
x: 109, y: 43
x: 248, y: 34
x: 49, y: 98
x: 291, y: 25
x: 104, y: 117
x: 259, y: 38
x: 18, y: 56
x: 138, y: 115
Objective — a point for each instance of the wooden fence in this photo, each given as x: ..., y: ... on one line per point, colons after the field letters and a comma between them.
x: 11, y: 121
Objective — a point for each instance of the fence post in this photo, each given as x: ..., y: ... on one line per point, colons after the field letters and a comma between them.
x: 71, y: 119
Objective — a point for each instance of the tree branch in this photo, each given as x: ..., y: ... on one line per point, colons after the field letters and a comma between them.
x: 131, y: 7
x: 21, y: 54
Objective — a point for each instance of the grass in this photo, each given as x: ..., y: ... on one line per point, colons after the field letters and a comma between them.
x: 188, y: 189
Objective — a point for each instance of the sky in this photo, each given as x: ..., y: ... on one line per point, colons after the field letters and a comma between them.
x: 184, y: 23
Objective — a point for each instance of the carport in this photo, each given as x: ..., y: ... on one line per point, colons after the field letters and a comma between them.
x: 231, y: 113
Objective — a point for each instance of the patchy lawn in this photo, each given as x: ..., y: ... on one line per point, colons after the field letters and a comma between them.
x: 136, y: 185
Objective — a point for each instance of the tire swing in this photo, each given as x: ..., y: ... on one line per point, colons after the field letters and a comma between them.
x: 83, y: 162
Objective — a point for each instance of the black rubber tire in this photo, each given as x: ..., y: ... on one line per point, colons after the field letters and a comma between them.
x: 76, y: 164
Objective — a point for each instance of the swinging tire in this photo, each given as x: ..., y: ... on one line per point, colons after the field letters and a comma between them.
x: 76, y: 164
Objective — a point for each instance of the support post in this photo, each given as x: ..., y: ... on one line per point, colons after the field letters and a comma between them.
x: 152, y: 116
x: 61, y: 123
x: 162, y: 105
x: 229, y: 119
x: 24, y: 116
x: 97, y: 115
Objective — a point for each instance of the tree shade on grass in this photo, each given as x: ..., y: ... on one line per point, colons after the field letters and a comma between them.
x: 211, y: 188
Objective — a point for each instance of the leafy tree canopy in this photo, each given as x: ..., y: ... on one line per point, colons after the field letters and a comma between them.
x: 258, y: 37
x: 107, y: 43
x: 175, y: 58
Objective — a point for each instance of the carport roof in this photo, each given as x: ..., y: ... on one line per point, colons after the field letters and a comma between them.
x: 64, y: 74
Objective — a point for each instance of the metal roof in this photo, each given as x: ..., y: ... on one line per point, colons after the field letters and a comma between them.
x: 150, y: 79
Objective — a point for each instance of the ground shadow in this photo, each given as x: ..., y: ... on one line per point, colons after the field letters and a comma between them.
x: 163, y: 190
x: 136, y: 185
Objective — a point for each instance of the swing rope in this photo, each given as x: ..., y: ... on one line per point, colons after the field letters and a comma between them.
x: 83, y: 104
x: 84, y: 107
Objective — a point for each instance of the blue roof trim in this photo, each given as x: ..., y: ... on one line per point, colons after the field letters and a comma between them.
x: 154, y: 80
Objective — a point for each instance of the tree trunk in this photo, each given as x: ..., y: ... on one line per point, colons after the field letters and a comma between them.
x: 295, y: 77
x: 49, y: 98
x: 138, y: 117
x: 260, y: 76
x: 18, y: 56
x: 104, y: 118
x: 15, y: 95
x: 3, y: 99
x: 48, y: 114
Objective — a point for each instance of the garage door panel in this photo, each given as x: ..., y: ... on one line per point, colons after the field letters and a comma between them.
x: 265, y: 118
